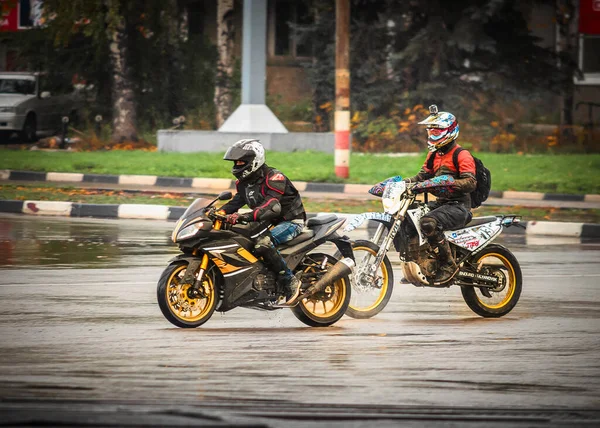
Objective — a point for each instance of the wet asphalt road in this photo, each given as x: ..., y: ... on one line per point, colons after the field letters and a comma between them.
x: 79, y: 321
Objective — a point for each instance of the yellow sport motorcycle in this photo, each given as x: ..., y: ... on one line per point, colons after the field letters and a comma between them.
x: 489, y: 274
x: 216, y: 270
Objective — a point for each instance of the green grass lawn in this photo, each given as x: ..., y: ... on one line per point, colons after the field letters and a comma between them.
x: 535, y: 173
x: 50, y: 192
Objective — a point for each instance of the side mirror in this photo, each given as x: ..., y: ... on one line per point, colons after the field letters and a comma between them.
x: 45, y: 95
x: 225, y: 196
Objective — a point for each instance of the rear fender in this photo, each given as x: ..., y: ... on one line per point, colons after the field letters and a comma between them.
x: 477, y: 237
x: 344, y: 246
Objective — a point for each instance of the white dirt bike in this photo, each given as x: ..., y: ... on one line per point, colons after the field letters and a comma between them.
x: 489, y: 274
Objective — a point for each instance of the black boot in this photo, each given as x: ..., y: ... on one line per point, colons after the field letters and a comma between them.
x: 290, y: 286
x: 287, y: 283
x: 447, y: 265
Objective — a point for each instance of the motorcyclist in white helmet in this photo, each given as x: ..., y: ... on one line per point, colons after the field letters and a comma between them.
x: 272, y: 197
x: 450, y: 185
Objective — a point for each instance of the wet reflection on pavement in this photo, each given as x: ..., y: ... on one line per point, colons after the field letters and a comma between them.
x: 79, y: 320
x: 60, y: 242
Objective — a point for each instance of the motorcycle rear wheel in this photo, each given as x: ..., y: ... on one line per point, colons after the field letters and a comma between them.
x: 368, y: 301
x: 176, y: 305
x: 498, y: 261
x: 325, y: 307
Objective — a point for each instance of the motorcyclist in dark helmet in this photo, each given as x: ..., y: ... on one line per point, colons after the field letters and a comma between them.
x: 272, y: 197
x: 452, y: 188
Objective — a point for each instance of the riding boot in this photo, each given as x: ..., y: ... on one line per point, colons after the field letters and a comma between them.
x: 447, y: 265
x: 286, y: 281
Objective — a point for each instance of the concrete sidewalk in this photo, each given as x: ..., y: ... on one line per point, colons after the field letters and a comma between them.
x: 163, y: 212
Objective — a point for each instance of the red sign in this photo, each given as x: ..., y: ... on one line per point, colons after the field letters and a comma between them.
x: 589, y: 16
x: 20, y: 14
x: 10, y: 18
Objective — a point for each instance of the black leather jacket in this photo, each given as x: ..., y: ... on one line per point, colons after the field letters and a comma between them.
x: 270, y: 195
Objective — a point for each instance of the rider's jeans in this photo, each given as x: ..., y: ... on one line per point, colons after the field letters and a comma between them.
x: 285, y: 231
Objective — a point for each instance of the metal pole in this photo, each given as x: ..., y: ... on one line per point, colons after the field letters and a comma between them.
x: 342, y: 88
x: 254, y: 55
x: 253, y: 115
x: 65, y: 127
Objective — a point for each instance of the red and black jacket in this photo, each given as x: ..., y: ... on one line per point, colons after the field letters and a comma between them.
x: 270, y: 195
x: 443, y: 163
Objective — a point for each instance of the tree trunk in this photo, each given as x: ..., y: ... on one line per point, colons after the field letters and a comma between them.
x: 177, y: 34
x: 225, y: 35
x: 567, y: 49
x: 322, y: 92
x: 123, y: 97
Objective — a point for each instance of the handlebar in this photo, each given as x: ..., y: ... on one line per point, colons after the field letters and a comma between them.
x: 214, y: 215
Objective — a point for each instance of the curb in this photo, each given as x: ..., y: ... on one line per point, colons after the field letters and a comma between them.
x: 162, y: 212
x: 222, y: 184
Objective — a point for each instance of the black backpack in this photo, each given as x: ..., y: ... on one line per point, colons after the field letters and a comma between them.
x: 482, y: 175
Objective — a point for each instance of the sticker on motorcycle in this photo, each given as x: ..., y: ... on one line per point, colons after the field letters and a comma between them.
x: 360, y: 219
x: 474, y: 237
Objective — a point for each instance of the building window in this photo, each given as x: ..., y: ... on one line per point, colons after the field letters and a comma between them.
x: 589, y: 60
x: 284, y: 40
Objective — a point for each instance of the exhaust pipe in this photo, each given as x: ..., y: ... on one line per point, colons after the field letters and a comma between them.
x: 340, y: 269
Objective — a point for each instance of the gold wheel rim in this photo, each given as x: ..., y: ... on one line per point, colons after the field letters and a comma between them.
x: 180, y: 305
x: 384, y: 287
x: 511, y: 277
x: 326, y: 308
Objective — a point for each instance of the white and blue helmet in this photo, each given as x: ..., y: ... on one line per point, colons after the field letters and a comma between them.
x: 442, y: 128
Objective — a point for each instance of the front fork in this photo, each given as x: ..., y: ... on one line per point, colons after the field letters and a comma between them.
x: 386, y: 243
x: 196, y: 290
x: 387, y: 240
x: 378, y: 234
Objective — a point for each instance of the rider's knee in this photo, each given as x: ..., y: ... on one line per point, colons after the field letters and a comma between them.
x: 429, y: 226
x: 263, y: 244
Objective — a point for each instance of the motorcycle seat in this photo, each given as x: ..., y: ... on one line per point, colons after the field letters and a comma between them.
x: 304, y: 236
x: 322, y: 219
x: 476, y: 221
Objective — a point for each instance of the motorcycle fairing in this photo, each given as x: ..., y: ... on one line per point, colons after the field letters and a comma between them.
x: 475, y: 237
x: 238, y: 268
x: 294, y: 254
x: 324, y: 230
x: 416, y: 215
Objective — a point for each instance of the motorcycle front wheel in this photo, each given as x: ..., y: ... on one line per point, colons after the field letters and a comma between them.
x: 369, y: 295
x: 325, y: 307
x: 175, y: 303
x: 498, y: 261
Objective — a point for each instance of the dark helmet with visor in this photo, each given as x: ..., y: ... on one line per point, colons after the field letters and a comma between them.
x: 248, y: 156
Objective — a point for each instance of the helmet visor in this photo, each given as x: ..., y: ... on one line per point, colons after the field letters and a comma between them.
x: 436, y: 133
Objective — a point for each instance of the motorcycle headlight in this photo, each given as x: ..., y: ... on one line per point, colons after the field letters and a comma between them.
x: 8, y: 109
x: 189, y: 231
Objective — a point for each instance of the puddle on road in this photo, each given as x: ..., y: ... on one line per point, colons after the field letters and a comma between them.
x: 62, y: 242
x: 79, y: 243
